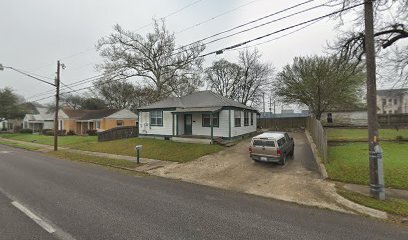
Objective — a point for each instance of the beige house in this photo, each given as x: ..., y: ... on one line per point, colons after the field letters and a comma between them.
x: 80, y: 121
x: 392, y: 101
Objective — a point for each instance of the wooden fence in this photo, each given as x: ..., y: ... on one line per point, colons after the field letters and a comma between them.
x: 118, y: 133
x: 282, y: 123
x: 319, y: 137
x: 393, y: 120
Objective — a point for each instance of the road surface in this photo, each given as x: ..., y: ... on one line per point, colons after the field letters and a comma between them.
x: 81, y: 201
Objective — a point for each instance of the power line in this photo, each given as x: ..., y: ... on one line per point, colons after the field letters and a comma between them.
x: 278, y: 31
x: 215, y: 17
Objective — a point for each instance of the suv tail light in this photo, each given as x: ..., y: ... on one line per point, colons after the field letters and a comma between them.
x: 278, y: 152
x: 250, y: 149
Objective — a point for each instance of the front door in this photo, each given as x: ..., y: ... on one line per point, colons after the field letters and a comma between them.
x: 188, y: 126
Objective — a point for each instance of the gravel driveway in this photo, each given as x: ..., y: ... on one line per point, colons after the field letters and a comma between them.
x: 232, y: 169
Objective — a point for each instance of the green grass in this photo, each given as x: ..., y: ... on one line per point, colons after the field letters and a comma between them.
x: 94, y: 159
x: 153, y: 148
x: 390, y: 205
x: 20, y: 145
x: 348, y: 162
x: 346, y: 134
x: 64, y: 141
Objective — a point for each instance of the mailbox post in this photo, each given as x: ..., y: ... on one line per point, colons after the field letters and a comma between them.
x: 138, y: 148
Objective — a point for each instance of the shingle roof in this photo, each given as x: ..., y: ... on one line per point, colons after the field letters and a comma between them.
x: 89, y: 114
x: 392, y: 92
x: 202, y: 99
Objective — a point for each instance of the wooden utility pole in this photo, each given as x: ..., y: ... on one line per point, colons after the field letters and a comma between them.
x: 57, y: 86
x: 375, y: 153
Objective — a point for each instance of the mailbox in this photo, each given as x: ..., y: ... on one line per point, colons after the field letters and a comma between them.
x: 138, y: 148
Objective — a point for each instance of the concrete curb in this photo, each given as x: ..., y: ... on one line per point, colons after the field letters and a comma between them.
x: 360, y: 208
x: 322, y: 168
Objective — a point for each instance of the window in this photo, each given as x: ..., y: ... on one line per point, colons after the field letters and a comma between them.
x: 156, y: 118
x: 119, y: 123
x: 281, y: 142
x: 237, y: 118
x: 98, y: 124
x: 390, y: 101
x: 246, y: 118
x: 395, y: 101
x: 206, y: 121
x: 384, y: 101
x: 263, y: 143
x: 252, y: 118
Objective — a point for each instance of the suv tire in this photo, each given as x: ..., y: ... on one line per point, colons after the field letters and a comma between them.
x: 283, y: 161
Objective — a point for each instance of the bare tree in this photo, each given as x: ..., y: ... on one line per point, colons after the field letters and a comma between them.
x: 321, y: 83
x: 154, y: 58
x: 244, y: 81
x: 391, y: 35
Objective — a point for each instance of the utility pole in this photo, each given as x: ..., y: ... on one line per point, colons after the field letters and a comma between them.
x: 375, y: 153
x: 57, y: 86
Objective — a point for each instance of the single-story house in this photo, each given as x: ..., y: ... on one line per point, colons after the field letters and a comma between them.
x: 203, y: 114
x: 80, y: 121
x: 40, y: 119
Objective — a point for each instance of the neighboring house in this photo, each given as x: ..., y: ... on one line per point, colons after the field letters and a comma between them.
x: 392, y: 101
x: 202, y: 114
x: 39, y: 120
x: 80, y: 121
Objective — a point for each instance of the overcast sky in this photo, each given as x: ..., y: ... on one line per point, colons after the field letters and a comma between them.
x: 35, y: 34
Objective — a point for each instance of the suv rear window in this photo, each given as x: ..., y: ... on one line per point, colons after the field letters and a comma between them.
x: 264, y: 143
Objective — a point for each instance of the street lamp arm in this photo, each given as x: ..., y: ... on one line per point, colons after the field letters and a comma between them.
x: 26, y: 74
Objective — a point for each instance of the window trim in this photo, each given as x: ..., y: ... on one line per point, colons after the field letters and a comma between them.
x: 235, y: 118
x: 117, y: 123
x: 150, y: 118
x: 246, y: 118
x: 252, y: 119
x: 209, y: 114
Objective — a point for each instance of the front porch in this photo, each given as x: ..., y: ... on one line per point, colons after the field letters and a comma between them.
x: 195, y: 125
x: 82, y: 127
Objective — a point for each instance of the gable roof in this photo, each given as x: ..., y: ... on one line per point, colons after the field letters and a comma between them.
x: 42, y: 115
x: 89, y: 114
x: 392, y: 92
x: 202, y: 99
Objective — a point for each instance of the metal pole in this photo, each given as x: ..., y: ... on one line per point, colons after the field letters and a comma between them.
x: 376, y: 176
x: 138, y: 156
x: 57, y: 85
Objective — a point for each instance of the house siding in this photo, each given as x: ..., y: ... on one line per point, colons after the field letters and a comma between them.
x: 69, y: 125
x: 112, y: 123
x: 145, y: 128
x: 221, y: 131
x: 238, y: 131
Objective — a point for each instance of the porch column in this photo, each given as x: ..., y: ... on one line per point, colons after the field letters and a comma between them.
x: 212, y: 127
x: 177, y: 124
x: 229, y: 123
x: 172, y: 122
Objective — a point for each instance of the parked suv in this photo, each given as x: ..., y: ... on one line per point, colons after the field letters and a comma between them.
x: 272, y: 147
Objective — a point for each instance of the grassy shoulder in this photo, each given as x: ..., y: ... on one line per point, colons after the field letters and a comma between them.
x: 345, y: 134
x: 390, y: 205
x: 153, y: 148
x: 64, y: 141
x: 348, y: 162
x: 94, y: 159
x: 19, y: 145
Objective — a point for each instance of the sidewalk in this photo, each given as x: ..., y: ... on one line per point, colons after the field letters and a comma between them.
x: 365, y: 190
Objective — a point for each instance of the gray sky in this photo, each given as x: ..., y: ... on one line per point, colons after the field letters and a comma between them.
x: 35, y: 34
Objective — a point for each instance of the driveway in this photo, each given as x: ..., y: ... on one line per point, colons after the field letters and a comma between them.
x: 297, y: 181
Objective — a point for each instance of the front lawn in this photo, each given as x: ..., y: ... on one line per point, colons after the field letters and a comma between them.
x: 348, y: 162
x: 152, y: 148
x: 347, y: 134
x: 64, y: 141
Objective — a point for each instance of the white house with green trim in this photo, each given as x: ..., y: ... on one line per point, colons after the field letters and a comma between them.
x: 201, y: 115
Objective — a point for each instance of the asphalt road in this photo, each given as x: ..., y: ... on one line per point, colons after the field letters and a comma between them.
x: 90, y: 202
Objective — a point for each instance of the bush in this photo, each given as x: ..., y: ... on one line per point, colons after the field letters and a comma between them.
x: 26, y: 130
x: 48, y: 132
x: 61, y: 132
x: 92, y: 132
x: 399, y: 138
x: 70, y: 133
x: 4, y: 129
